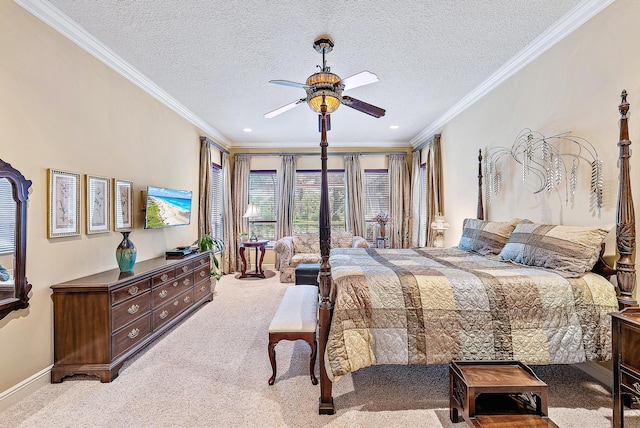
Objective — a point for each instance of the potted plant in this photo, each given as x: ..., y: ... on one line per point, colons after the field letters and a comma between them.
x: 244, y: 236
x: 208, y: 243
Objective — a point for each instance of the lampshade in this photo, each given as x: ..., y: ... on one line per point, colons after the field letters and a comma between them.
x: 252, y: 211
x: 324, y: 84
x: 440, y: 223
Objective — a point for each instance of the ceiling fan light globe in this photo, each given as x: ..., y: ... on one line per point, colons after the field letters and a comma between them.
x: 331, y: 99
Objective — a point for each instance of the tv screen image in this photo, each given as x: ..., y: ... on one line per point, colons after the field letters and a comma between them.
x: 167, y: 207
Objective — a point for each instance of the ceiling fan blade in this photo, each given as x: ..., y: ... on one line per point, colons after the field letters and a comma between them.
x: 289, y: 83
x: 284, y: 108
x: 362, y: 106
x: 360, y: 79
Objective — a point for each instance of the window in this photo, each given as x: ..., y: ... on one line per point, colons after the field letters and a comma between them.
x: 217, y: 200
x: 263, y: 186
x: 422, y: 236
x: 376, y: 191
x: 306, y: 211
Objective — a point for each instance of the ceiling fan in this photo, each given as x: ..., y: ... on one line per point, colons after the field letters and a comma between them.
x: 326, y: 87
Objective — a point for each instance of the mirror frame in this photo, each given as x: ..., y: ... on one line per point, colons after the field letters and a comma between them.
x: 22, y: 287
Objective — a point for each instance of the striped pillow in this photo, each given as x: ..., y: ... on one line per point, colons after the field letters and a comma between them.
x: 570, y: 249
x: 485, y: 237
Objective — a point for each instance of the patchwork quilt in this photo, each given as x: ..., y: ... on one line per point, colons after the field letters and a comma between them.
x: 432, y: 305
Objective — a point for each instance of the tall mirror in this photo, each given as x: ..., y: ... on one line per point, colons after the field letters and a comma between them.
x: 14, y: 191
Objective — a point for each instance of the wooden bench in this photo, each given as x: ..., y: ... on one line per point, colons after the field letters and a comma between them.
x: 295, y: 319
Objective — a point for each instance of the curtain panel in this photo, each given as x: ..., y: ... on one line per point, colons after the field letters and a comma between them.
x: 354, y: 183
x: 285, y: 204
x: 400, y: 200
x: 434, y: 185
x: 229, y: 255
x: 240, y: 200
x: 205, y: 202
x: 416, y: 201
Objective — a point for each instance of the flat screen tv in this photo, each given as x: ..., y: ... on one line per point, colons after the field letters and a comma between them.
x: 167, y: 207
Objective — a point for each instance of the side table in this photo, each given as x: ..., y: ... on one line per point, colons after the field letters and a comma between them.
x: 497, y: 394
x: 258, y: 245
x: 626, y: 360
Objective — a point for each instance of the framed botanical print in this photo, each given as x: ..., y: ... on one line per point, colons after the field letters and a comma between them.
x: 63, y: 218
x: 98, y: 204
x: 122, y: 205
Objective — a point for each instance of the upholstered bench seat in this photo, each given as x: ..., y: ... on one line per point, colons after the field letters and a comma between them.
x: 295, y: 319
x: 307, y: 274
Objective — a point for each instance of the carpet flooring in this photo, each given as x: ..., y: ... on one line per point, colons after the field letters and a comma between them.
x: 211, y: 370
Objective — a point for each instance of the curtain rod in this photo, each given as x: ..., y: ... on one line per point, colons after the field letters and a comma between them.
x: 426, y: 142
x: 318, y: 154
x: 214, y: 144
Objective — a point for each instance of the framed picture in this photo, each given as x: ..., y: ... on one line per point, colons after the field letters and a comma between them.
x: 64, y: 204
x: 122, y: 205
x: 98, y: 204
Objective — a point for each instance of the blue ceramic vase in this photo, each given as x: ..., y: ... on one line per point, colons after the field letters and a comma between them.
x: 126, y: 253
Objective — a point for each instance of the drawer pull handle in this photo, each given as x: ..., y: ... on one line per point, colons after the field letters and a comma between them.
x: 134, y: 333
x: 203, y: 288
x: 164, y: 314
x: 133, y: 290
x: 202, y: 262
x: 163, y: 293
x: 175, y: 283
x: 186, y: 281
x: 185, y: 269
x: 133, y: 309
x: 176, y: 303
x: 636, y: 385
x: 202, y: 274
x: 164, y: 277
x: 187, y: 299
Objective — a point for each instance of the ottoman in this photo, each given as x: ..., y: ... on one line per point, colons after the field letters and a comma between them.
x: 307, y: 274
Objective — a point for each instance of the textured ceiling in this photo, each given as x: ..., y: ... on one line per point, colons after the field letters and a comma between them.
x: 216, y: 57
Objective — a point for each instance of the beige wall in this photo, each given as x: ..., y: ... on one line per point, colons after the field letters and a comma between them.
x: 61, y: 108
x: 575, y: 86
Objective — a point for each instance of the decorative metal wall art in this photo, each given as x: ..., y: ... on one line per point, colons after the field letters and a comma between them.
x: 551, y: 162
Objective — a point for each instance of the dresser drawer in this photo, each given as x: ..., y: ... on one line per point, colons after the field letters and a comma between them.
x: 166, y: 292
x: 130, y: 310
x: 202, y: 289
x: 171, y: 309
x: 163, y: 277
x: 201, y: 273
x: 130, y: 335
x: 205, y: 261
x: 184, y: 268
x: 131, y: 290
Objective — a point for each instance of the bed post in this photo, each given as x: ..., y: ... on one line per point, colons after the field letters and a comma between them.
x: 480, y: 209
x: 325, y: 310
x: 625, y: 217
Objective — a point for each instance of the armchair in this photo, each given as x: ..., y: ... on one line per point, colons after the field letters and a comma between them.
x: 303, y: 248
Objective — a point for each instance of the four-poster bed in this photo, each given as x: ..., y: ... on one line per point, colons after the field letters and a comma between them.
x: 427, y: 300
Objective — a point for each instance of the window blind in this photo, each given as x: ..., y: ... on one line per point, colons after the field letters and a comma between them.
x: 306, y: 211
x: 263, y: 185
x: 7, y: 217
x: 217, y: 198
x: 376, y: 190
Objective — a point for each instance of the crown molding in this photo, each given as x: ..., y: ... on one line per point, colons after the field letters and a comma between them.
x: 55, y: 19
x: 279, y: 146
x: 568, y: 24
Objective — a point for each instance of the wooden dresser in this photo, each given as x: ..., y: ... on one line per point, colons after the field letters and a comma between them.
x: 103, y: 319
x: 626, y: 359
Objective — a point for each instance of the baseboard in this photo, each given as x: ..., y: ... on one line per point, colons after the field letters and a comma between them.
x: 601, y: 373
x: 25, y: 388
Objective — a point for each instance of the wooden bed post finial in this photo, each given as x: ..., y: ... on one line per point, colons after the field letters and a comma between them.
x: 625, y: 216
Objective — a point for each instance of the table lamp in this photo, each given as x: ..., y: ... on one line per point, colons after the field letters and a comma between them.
x: 252, y: 212
x: 439, y: 225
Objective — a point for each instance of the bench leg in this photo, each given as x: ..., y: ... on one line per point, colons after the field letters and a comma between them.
x: 272, y: 359
x: 312, y: 364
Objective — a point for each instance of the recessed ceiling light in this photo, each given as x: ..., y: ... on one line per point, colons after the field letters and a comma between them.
x: 394, y: 126
x: 246, y: 129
